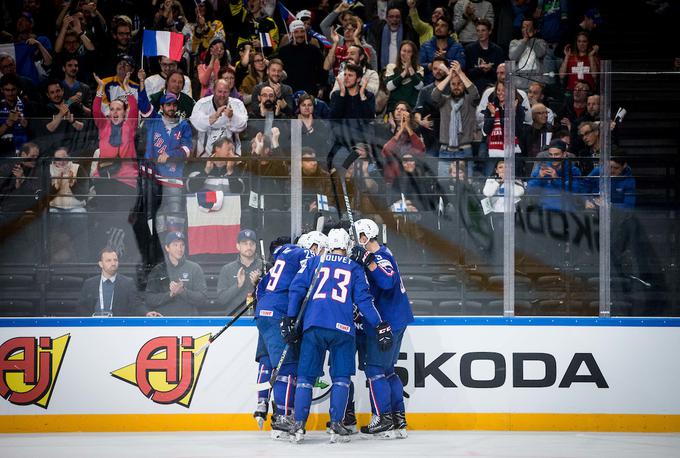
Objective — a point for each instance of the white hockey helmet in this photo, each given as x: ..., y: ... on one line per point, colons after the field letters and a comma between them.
x: 338, y: 239
x: 368, y: 227
x: 317, y: 238
x: 303, y: 241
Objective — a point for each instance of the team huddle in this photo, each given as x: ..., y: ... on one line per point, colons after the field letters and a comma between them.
x: 329, y: 293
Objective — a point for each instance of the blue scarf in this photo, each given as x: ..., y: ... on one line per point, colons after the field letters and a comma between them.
x: 385, y: 44
x: 116, y: 138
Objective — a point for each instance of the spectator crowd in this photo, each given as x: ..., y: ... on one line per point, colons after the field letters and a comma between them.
x: 401, y: 100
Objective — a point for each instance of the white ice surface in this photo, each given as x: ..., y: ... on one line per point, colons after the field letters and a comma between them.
x: 425, y: 444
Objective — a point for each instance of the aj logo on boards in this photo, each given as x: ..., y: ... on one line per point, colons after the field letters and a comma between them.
x: 166, y: 369
x: 29, y: 368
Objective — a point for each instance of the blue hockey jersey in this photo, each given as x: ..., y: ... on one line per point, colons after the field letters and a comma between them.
x: 272, y: 290
x: 176, y: 143
x: 388, y: 290
x: 340, y: 284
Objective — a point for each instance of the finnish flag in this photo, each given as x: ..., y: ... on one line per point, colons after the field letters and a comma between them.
x: 322, y: 203
x: 399, y: 207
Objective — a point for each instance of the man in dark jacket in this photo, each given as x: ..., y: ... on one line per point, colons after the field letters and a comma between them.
x: 176, y: 287
x: 110, y: 293
x: 303, y: 61
x: 386, y: 36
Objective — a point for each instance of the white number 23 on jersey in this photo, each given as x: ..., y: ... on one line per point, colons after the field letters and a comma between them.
x: 339, y: 292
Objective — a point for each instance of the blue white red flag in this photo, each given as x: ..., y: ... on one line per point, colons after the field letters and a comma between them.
x: 163, y: 43
x: 266, y: 40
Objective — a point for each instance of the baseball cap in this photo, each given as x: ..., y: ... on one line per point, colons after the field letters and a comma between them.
x: 557, y: 144
x: 172, y: 236
x: 168, y: 97
x: 127, y: 58
x: 303, y: 14
x: 594, y: 14
x: 295, y: 25
x: 246, y: 234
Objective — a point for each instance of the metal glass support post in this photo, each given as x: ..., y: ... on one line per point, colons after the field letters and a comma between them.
x: 295, y: 178
x: 509, y: 193
x: 605, y: 189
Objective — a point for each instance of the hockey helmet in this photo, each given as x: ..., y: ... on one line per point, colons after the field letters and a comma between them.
x: 317, y: 238
x: 338, y: 239
x: 367, y: 227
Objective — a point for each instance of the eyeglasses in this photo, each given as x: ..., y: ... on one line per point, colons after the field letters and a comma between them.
x: 584, y: 133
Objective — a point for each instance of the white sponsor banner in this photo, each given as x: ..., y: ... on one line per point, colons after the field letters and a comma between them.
x: 80, y: 369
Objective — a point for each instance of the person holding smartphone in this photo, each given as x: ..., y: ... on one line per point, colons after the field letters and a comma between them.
x: 555, y: 178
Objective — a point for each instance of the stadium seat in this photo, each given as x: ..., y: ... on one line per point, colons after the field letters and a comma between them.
x: 17, y: 308
x: 418, y: 282
x: 460, y: 308
x: 64, y: 307
x: 422, y: 307
x: 448, y: 283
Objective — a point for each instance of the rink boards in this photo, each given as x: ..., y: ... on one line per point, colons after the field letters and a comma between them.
x: 137, y: 374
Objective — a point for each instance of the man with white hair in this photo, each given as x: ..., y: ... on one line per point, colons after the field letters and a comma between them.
x: 338, y: 283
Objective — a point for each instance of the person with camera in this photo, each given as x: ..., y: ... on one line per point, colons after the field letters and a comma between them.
x: 14, y: 128
x: 554, y: 178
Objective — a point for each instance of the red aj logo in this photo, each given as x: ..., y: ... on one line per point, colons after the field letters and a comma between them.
x: 29, y: 368
x: 167, y: 369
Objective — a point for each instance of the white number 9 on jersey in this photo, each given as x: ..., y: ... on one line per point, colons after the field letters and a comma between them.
x: 275, y: 274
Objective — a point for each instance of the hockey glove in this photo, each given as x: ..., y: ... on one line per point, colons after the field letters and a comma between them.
x: 384, y: 332
x: 288, y: 331
x: 362, y: 256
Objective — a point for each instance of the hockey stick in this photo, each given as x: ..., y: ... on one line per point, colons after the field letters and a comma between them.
x: 228, y: 325
x: 239, y: 314
x: 296, y: 326
x: 349, y: 211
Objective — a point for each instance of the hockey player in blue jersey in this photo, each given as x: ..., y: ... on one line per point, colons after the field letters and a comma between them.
x: 314, y: 241
x: 337, y: 283
x: 391, y: 300
x: 272, y: 305
x: 264, y: 369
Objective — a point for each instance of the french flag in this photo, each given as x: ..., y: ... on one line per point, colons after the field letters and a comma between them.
x: 266, y: 40
x: 286, y: 14
x: 162, y: 43
x: 322, y: 39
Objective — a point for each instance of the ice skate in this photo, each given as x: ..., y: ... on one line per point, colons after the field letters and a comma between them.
x: 400, y: 425
x: 297, y: 432
x: 339, y: 432
x: 281, y: 426
x: 380, y: 427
